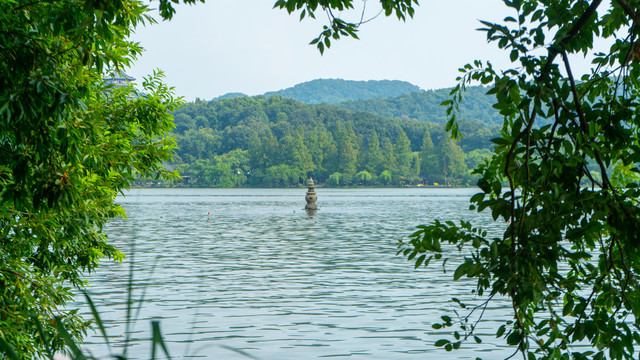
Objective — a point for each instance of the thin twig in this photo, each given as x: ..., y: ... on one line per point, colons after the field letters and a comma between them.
x: 555, y: 49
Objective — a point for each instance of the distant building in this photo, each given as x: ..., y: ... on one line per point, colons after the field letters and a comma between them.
x: 119, y: 78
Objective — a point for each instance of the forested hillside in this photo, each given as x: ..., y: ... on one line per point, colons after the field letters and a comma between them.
x: 279, y: 142
x: 425, y: 106
x: 231, y: 95
x: 332, y: 91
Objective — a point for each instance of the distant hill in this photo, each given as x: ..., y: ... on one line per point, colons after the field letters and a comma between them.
x: 425, y: 106
x: 279, y: 142
x: 231, y: 95
x: 332, y: 91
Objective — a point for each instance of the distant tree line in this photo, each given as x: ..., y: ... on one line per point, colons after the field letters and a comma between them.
x: 331, y: 91
x: 425, y: 106
x: 280, y: 142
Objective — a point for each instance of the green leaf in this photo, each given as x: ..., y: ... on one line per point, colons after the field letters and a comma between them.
x: 96, y: 316
x: 75, y: 350
x: 514, y: 55
x: 460, y: 271
x: 442, y: 342
x: 420, y: 260
x: 8, y: 350
x: 568, y: 306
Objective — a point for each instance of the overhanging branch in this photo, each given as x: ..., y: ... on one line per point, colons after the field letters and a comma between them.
x: 635, y: 16
x: 559, y: 47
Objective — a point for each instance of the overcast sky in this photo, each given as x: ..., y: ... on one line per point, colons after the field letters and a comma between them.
x: 246, y: 46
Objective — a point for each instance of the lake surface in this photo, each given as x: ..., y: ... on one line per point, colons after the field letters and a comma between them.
x: 264, y: 277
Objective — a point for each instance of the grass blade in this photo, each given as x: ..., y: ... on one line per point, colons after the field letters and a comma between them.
x: 78, y: 355
x: 144, y: 289
x: 240, y: 352
x: 129, y: 302
x: 157, y: 340
x: 43, y: 335
x: 96, y: 316
x: 7, y: 350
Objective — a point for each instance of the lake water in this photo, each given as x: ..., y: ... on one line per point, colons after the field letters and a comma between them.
x: 262, y: 276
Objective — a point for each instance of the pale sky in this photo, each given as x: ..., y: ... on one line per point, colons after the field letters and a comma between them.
x: 246, y: 46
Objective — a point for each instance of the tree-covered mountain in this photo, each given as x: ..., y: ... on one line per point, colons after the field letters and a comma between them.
x: 332, y: 91
x: 275, y: 141
x: 231, y: 95
x: 425, y: 106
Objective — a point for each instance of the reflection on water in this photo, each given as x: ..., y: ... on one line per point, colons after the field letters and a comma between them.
x: 262, y: 275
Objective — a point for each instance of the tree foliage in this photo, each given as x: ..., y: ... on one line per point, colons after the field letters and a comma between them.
x: 68, y: 145
x: 425, y: 106
x: 316, y: 141
x: 332, y: 91
x: 569, y: 256
x: 338, y: 27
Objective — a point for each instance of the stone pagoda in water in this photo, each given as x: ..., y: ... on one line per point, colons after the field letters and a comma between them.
x: 311, y: 196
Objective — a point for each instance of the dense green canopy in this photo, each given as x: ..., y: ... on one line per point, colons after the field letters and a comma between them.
x: 569, y: 156
x: 331, y: 91
x: 68, y: 145
x: 277, y: 142
x: 568, y: 259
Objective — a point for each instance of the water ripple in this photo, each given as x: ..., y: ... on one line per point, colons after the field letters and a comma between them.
x: 262, y: 276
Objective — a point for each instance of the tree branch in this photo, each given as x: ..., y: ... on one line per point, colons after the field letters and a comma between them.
x: 31, y: 3
x: 555, y: 49
x: 627, y: 9
x: 583, y: 122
